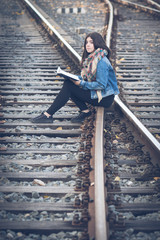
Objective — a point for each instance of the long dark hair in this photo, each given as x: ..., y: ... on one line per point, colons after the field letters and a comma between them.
x: 98, y: 42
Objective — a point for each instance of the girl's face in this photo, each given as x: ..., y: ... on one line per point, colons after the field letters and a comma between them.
x: 89, y: 45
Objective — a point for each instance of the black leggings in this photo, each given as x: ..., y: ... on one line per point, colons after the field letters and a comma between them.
x: 79, y: 96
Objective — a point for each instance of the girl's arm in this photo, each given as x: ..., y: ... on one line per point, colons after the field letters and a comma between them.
x: 101, y: 78
x: 76, y: 82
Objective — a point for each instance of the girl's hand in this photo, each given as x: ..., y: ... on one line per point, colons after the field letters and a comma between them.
x: 76, y: 82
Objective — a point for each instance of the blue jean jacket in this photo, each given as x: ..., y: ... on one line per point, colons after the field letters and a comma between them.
x: 105, y: 80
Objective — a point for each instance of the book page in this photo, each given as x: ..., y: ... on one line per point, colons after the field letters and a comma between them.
x: 66, y: 74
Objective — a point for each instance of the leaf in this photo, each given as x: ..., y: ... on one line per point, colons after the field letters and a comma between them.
x: 59, y: 128
x: 120, y: 60
x: 39, y: 182
x: 3, y: 149
x: 3, y: 121
x: 46, y: 196
x: 29, y: 144
x: 117, y: 179
x: 119, y: 76
x: 115, y: 141
x: 157, y: 136
x: 156, y: 178
x: 117, y: 137
x: 19, y: 13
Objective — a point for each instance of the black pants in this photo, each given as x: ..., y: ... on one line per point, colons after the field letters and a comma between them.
x: 79, y: 96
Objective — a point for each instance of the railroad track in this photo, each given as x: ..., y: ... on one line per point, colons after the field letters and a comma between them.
x: 39, y: 181
x: 132, y: 182
x: 59, y: 206
x: 132, y: 167
x: 137, y: 65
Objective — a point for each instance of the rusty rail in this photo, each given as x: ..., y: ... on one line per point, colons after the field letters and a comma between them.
x: 140, y: 7
x: 100, y: 208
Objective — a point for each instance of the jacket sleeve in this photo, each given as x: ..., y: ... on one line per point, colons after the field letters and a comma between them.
x: 101, y: 78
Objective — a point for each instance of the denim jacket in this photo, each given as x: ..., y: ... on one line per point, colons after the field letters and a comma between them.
x: 105, y: 80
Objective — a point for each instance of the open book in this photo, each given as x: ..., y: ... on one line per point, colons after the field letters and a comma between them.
x: 65, y: 74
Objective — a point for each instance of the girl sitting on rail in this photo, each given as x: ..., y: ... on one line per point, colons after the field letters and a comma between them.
x: 97, y: 84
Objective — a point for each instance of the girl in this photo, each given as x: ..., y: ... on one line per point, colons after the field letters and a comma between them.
x: 97, y: 84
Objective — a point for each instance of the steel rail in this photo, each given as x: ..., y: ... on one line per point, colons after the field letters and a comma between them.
x: 100, y: 208
x: 136, y: 5
x: 55, y: 34
x: 153, y: 3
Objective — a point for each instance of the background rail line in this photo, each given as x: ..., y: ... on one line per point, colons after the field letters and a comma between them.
x: 151, y: 7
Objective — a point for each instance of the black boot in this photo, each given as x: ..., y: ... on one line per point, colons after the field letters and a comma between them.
x: 42, y: 119
x: 81, y: 117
